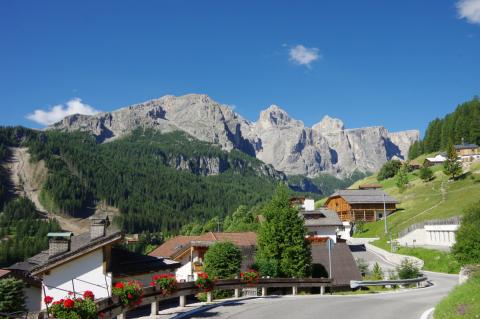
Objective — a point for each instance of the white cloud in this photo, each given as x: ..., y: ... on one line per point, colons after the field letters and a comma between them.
x: 470, y: 10
x: 58, y: 112
x: 302, y: 55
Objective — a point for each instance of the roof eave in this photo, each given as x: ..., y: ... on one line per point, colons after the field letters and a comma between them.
x: 64, y: 258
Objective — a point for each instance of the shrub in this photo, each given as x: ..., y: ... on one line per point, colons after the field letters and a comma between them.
x: 250, y: 277
x: 223, y: 260
x: 359, y: 227
x: 12, y: 298
x: 267, y: 267
x: 166, y: 282
x: 426, y: 173
x: 389, y: 169
x: 130, y: 293
x: 467, y: 247
x: 73, y: 308
x: 204, y: 283
x: 362, y: 265
x: 408, y: 270
x: 377, y: 272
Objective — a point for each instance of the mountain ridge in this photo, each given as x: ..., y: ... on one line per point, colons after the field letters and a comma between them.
x: 275, y: 138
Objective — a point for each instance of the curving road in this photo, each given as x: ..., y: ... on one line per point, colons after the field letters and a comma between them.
x: 405, y: 304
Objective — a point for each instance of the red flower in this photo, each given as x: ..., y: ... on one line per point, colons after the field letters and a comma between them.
x: 70, y: 293
x: 129, y: 296
x: 152, y: 283
x: 119, y: 285
x: 48, y: 299
x: 68, y: 303
x: 88, y: 295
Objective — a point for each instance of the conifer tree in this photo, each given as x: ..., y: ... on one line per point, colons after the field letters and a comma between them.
x: 282, y: 247
x: 452, y: 167
x: 402, y: 177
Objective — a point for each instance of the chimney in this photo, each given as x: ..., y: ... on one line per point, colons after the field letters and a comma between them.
x: 58, y: 243
x: 98, y: 226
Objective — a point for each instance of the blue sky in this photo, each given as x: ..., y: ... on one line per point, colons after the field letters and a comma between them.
x: 392, y: 63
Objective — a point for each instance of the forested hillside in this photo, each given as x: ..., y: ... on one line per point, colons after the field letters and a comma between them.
x: 22, y: 229
x: 157, y: 181
x: 324, y: 184
x: 462, y: 124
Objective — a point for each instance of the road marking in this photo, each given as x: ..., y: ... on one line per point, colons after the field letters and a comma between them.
x: 427, y: 313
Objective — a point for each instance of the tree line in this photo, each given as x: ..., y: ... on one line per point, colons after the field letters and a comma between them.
x: 461, y: 125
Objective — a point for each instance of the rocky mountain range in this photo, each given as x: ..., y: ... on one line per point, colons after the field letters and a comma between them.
x: 275, y: 138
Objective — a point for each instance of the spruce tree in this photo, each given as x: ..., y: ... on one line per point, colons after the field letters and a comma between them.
x: 452, y: 167
x: 282, y: 248
x: 402, y: 177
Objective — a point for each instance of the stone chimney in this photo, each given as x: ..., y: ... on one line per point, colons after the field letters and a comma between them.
x: 98, y: 226
x: 58, y: 243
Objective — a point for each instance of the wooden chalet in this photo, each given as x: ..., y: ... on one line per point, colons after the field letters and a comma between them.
x: 361, y: 204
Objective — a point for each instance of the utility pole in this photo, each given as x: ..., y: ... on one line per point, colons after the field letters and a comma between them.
x: 385, y: 213
x: 330, y: 244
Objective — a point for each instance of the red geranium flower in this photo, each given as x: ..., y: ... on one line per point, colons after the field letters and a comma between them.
x: 129, y: 296
x: 88, y: 295
x: 68, y: 303
x: 152, y: 283
x: 119, y: 285
x: 48, y: 299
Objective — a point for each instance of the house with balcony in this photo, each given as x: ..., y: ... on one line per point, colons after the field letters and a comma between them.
x: 366, y: 205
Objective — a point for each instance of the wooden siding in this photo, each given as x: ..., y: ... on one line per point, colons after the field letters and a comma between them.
x: 341, y: 206
x: 354, y: 212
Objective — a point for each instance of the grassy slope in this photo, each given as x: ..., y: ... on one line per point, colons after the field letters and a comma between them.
x: 462, y: 302
x: 424, y: 201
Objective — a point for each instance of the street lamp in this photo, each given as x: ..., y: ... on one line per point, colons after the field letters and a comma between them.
x: 385, y: 214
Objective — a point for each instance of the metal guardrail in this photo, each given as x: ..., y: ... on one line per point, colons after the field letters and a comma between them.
x: 355, y: 284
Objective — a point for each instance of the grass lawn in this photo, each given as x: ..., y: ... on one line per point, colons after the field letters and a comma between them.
x: 463, y: 302
x: 439, y: 261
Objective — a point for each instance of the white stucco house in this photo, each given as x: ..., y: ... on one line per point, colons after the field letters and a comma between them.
x: 322, y: 222
x: 189, y: 251
x: 89, y: 261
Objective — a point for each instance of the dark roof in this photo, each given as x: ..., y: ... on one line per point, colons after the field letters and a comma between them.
x: 344, y: 267
x: 370, y: 186
x: 465, y: 146
x: 125, y: 263
x: 321, y: 217
x: 359, y: 196
x: 78, y: 245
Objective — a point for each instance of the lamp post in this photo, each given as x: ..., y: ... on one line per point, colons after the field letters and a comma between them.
x: 385, y: 214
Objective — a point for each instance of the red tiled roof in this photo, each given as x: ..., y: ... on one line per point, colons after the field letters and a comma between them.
x: 168, y: 248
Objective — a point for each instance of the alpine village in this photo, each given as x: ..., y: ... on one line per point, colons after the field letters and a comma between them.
x: 181, y: 207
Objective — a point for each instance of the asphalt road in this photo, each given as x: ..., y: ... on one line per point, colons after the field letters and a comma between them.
x: 406, y: 304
